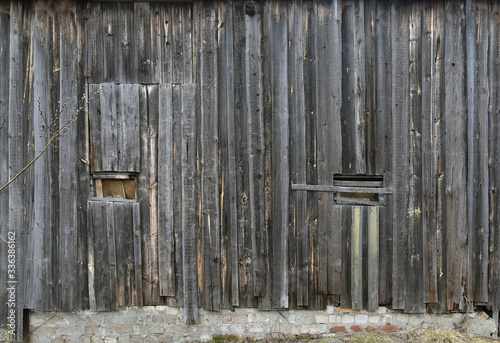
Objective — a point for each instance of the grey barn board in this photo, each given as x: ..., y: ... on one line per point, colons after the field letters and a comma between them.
x: 263, y: 139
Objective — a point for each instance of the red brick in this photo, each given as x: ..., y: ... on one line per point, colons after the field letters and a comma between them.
x: 248, y: 337
x: 356, y: 328
x: 389, y: 328
x: 291, y: 336
x: 337, y: 329
x: 369, y: 329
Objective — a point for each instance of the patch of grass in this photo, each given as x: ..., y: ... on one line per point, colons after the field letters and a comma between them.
x: 225, y: 338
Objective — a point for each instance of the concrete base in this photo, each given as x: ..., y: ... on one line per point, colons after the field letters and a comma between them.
x: 164, y: 324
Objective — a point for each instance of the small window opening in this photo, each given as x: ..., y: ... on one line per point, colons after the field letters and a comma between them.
x: 115, y: 186
x: 356, y: 189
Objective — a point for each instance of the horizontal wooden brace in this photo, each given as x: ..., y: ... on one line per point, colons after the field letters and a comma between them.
x: 327, y: 188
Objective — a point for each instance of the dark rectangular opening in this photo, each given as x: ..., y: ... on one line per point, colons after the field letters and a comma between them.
x: 356, y: 189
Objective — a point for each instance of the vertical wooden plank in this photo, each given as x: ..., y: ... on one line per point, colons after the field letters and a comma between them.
x: 71, y: 91
x: 124, y: 241
x: 110, y: 42
x: 383, y: 142
x: 95, y: 42
x: 370, y: 87
x: 356, y: 258
x: 109, y: 128
x: 345, y: 296
x: 127, y: 59
x: 309, y: 28
x: 280, y: 139
x: 255, y: 143
x: 156, y: 42
x: 265, y: 301
x: 166, y: 38
x: 428, y: 153
x: 101, y: 269
x: 301, y: 212
x: 400, y: 95
x: 229, y: 262
x: 440, y: 149
x: 353, y: 86
x: 242, y: 153
x: 91, y: 256
x: 4, y: 154
x: 494, y: 155
x: 41, y: 286
x: 147, y: 192
x: 129, y: 153
x: 209, y: 191
x: 166, y: 259
x: 142, y: 23
x: 187, y: 44
x: 472, y: 144
x: 137, y: 295
x: 415, y: 285
x: 189, y: 201
x: 373, y: 257
x: 329, y: 141
x: 112, y: 297
x: 481, y: 224
x: 455, y: 160
x: 177, y: 195
x: 177, y: 43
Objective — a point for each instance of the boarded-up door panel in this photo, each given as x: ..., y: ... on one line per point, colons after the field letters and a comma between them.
x: 115, y: 273
x: 114, y: 127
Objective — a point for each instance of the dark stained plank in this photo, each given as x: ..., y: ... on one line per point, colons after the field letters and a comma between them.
x: 400, y: 95
x: 128, y: 129
x: 209, y: 164
x: 356, y: 245
x: 345, y: 295
x: 255, y: 143
x: 481, y: 224
x: 189, y: 253
x: 301, y: 177
x: 472, y: 145
x: 136, y: 287
x: 110, y: 241
x: 4, y: 154
x: 147, y: 192
x: 440, y: 149
x: 329, y: 141
x: 309, y: 22
x: 95, y: 43
x: 280, y: 145
x: 494, y: 154
x: 383, y: 142
x: 456, y: 156
x: 265, y: 301
x: 415, y: 272
x: 111, y: 42
x: 124, y: 241
x: 71, y: 91
x: 373, y: 257
x: 429, y: 154
x: 142, y: 29
x: 166, y: 253
x: 242, y: 155
x: 229, y: 234
x: 127, y: 59
x: 370, y: 109
x: 156, y: 25
x: 177, y: 43
x: 165, y: 34
x: 187, y: 43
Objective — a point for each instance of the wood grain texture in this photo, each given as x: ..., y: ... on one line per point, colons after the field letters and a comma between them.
x: 400, y: 98
x: 456, y: 154
x: 166, y: 247
x: 280, y: 158
x: 189, y: 251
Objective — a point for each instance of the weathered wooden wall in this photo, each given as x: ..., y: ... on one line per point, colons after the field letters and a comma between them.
x: 235, y: 107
